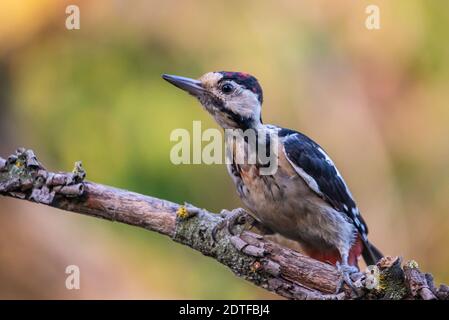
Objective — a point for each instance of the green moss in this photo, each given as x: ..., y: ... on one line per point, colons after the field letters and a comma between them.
x: 196, y: 232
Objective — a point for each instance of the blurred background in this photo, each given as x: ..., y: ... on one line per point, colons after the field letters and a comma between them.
x: 376, y: 100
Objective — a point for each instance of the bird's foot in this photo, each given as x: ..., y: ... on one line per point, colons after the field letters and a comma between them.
x: 346, y: 271
x: 231, y: 219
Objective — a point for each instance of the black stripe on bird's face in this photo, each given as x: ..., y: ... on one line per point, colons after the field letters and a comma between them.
x: 245, y: 80
x: 241, y: 122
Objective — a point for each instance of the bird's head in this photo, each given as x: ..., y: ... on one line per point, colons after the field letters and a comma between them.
x: 234, y: 99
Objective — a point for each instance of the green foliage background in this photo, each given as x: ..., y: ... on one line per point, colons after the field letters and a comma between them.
x: 376, y: 100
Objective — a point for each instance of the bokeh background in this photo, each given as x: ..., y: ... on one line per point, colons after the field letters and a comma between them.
x: 377, y: 100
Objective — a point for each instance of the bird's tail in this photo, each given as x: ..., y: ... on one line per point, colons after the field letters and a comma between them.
x: 371, y: 254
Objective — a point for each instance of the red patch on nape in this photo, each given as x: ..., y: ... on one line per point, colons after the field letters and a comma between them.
x: 239, y: 76
x: 244, y: 74
x: 244, y: 79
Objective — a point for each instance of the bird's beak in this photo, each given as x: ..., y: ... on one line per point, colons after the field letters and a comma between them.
x: 192, y: 86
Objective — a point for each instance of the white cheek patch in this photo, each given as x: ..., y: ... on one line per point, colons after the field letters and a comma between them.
x: 245, y: 103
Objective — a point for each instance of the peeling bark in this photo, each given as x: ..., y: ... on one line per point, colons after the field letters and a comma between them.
x: 249, y: 255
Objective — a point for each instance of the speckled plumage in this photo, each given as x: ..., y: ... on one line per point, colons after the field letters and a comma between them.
x: 285, y: 203
x: 306, y: 198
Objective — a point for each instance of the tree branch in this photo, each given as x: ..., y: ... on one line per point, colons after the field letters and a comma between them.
x: 249, y: 255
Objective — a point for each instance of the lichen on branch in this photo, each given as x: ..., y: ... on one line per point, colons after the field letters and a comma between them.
x: 250, y: 256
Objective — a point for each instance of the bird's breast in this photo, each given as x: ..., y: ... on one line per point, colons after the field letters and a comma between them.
x: 285, y: 203
x: 276, y: 200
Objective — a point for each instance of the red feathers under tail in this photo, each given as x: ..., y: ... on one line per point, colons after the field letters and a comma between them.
x: 333, y: 256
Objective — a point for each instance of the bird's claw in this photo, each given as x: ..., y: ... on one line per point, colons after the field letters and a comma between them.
x: 345, y: 277
x: 231, y: 219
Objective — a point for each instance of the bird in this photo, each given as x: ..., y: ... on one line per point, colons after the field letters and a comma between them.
x: 306, y: 199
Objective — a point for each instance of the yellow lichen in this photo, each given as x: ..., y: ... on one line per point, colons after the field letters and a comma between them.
x: 382, y: 283
x: 256, y: 266
x: 182, y: 212
x: 412, y: 264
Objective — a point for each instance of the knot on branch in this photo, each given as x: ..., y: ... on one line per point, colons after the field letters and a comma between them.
x: 249, y: 255
x: 419, y: 285
x: 23, y: 176
x: 196, y: 228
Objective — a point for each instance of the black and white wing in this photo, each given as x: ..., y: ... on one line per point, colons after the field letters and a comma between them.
x: 312, y: 163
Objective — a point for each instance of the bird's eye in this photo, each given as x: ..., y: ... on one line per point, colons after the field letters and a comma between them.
x: 227, y: 88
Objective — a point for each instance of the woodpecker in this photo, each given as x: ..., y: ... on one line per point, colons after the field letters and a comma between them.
x: 306, y: 199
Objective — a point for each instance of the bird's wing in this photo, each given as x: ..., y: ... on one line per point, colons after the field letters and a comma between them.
x: 312, y: 163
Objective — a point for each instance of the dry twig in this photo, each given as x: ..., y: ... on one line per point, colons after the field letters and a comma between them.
x: 250, y: 256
